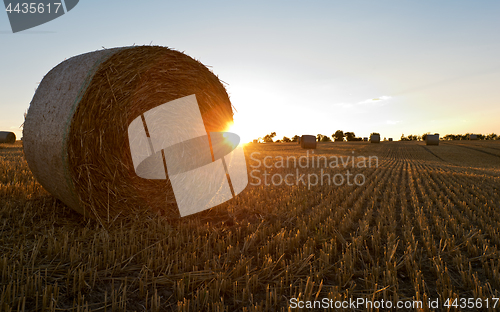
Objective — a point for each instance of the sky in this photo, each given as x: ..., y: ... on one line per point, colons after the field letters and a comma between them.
x: 294, y: 67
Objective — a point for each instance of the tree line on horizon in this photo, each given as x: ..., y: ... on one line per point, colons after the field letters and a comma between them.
x: 340, y: 136
x: 451, y: 137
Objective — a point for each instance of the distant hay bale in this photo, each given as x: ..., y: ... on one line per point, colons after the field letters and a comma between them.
x: 7, y: 137
x: 432, y: 139
x: 375, y: 138
x: 308, y: 142
x: 75, y: 134
x: 473, y: 137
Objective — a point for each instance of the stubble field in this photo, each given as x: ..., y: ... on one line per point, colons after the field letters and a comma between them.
x: 424, y: 225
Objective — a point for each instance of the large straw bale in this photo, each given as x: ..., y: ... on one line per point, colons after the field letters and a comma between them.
x: 432, y: 139
x: 375, y: 138
x: 308, y: 142
x: 7, y: 137
x: 75, y: 133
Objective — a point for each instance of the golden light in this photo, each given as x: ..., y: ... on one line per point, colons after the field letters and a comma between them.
x: 229, y: 127
x: 234, y: 128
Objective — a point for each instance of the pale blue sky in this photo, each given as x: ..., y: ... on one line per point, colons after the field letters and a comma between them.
x: 295, y: 67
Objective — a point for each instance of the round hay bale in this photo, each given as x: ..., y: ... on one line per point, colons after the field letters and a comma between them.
x: 7, y: 137
x: 75, y: 134
x: 308, y: 142
x: 432, y: 139
x: 375, y: 138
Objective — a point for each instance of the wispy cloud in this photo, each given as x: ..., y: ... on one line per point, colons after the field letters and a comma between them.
x: 378, y: 100
x: 344, y: 105
x: 393, y: 122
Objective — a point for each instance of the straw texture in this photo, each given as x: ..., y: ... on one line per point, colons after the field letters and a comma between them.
x: 76, y: 127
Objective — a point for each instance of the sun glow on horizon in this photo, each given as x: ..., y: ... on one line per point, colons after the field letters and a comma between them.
x: 242, y: 131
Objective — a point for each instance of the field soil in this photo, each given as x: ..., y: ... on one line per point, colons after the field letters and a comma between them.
x: 350, y: 221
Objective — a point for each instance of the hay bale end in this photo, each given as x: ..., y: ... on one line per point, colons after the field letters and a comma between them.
x: 308, y: 142
x: 7, y: 137
x: 375, y: 138
x: 432, y: 139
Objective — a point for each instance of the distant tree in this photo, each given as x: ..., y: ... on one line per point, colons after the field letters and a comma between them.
x: 338, y: 135
x: 411, y: 137
x: 295, y: 138
x: 323, y: 138
x: 455, y: 137
x: 268, y: 138
x: 350, y: 136
x: 285, y: 139
x: 492, y: 136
